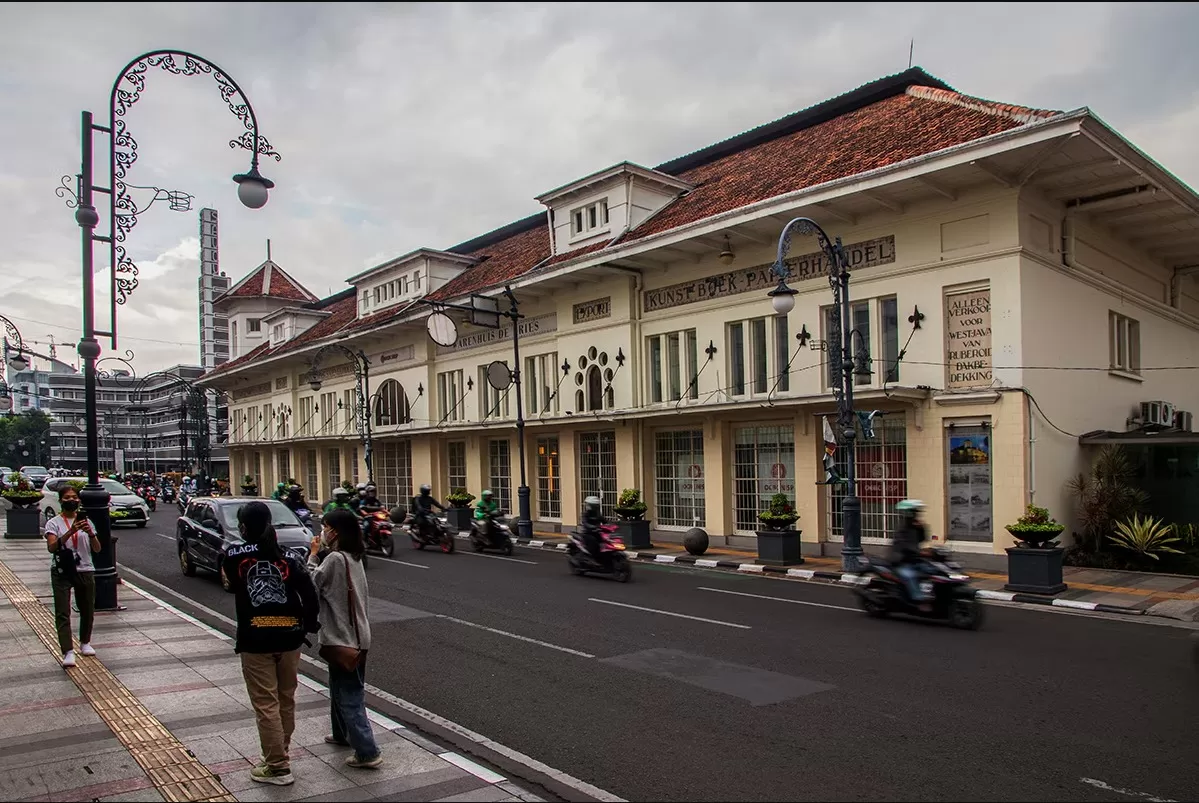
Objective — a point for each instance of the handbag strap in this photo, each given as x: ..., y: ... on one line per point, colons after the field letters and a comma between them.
x: 350, y: 593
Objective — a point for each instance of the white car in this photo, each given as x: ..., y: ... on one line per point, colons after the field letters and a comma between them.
x: 134, y: 509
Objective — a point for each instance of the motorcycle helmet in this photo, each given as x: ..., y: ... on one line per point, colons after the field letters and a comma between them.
x: 591, y: 508
x: 910, y: 506
x: 426, y: 489
x: 362, y: 486
x: 341, y: 494
x: 487, y: 496
x: 371, y: 490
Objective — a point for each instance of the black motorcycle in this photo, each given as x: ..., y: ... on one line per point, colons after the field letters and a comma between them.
x: 435, y: 531
x: 499, y: 536
x: 951, y: 598
x: 378, y: 529
x: 168, y: 493
x: 616, y: 563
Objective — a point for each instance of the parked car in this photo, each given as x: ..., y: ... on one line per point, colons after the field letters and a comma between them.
x: 36, y: 474
x: 208, y: 528
x: 4, y: 472
x: 125, y: 506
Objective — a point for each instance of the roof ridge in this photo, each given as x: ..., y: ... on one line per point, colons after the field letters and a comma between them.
x: 1020, y: 114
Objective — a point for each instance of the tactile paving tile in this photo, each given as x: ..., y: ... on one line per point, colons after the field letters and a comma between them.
x: 175, y: 772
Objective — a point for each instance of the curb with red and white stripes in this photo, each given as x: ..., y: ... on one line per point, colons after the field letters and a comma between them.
x: 837, y: 578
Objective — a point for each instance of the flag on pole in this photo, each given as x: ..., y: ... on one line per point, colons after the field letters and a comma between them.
x: 830, y: 454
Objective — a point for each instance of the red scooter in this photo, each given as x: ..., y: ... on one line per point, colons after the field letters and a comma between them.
x: 615, y: 563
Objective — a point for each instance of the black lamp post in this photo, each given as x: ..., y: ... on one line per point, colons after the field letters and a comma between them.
x: 841, y: 359
x: 14, y: 356
x: 362, y: 389
x: 123, y: 211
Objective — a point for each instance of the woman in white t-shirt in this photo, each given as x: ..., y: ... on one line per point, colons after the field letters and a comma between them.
x: 72, y: 530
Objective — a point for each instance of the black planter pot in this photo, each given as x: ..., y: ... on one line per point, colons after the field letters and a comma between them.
x: 1035, y: 571
x: 23, y: 522
x: 249, y: 490
x: 779, y: 547
x: 635, y: 533
x: 459, y: 518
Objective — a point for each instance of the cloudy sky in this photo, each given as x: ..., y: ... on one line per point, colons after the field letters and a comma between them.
x: 405, y: 124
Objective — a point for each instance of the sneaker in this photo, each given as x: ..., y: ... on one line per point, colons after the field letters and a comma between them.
x: 331, y: 739
x: 264, y: 774
x: 69, y: 658
x: 364, y: 764
x: 86, y: 649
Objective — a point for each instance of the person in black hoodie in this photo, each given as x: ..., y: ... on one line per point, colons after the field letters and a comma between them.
x: 277, y: 606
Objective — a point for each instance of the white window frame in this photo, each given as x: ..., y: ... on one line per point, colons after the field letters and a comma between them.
x: 540, y: 381
x: 254, y: 325
x: 882, y: 480
x: 590, y: 219
x: 455, y: 462
x: 328, y: 413
x: 1124, y: 343
x: 494, y: 404
x: 450, y: 399
x: 307, y: 412
x: 880, y: 371
x: 673, y: 448
x: 666, y: 382
x: 772, y: 327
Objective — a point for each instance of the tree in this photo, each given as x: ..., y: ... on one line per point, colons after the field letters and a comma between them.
x: 25, y: 433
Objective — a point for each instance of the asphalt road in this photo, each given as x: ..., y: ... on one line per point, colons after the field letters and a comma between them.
x: 775, y: 690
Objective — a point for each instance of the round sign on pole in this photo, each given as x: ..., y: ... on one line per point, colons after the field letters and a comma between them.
x: 498, y: 375
x: 442, y: 329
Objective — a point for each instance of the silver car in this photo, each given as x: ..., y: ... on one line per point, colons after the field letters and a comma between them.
x: 125, y: 506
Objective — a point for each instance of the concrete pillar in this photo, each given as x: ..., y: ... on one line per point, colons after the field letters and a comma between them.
x: 628, y: 459
x: 476, y: 464
x: 426, y: 465
x: 568, y: 478
x: 718, y: 477
x: 322, y: 489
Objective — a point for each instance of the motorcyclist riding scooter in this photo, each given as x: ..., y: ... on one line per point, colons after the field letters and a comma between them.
x: 341, y: 501
x: 487, y: 532
x: 905, y: 554
x: 590, y: 528
x: 422, y: 509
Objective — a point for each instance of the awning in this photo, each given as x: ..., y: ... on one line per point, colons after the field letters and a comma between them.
x: 1140, y: 437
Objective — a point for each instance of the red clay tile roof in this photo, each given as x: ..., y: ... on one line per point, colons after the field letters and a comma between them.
x: 281, y: 285
x: 882, y: 123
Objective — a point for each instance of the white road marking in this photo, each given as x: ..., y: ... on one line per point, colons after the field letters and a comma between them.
x: 1130, y: 792
x: 466, y: 733
x: 670, y: 613
x: 516, y: 636
x: 399, y: 562
x: 482, y: 773
x: 500, y: 557
x: 780, y: 599
x: 164, y: 535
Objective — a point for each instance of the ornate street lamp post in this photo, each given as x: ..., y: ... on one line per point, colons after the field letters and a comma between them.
x: 362, y: 389
x: 841, y: 359
x: 123, y: 211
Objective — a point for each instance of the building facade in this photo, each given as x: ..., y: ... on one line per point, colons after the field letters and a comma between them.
x: 1019, y: 278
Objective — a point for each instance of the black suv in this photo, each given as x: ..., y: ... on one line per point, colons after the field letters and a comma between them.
x: 209, y: 527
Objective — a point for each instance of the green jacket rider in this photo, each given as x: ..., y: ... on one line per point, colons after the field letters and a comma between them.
x: 486, y: 508
x: 341, y: 501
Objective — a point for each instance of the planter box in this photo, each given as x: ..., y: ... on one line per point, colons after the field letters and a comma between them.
x: 635, y: 534
x: 1035, y: 571
x: 249, y: 490
x: 24, y: 522
x: 459, y: 518
x: 779, y: 547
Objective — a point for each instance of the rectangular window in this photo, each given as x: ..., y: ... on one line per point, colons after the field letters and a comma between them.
x: 333, y: 466
x: 352, y: 466
x: 763, y: 465
x: 655, y: 369
x: 284, y: 462
x: 782, y: 354
x: 881, y: 468
x: 889, y: 313
x: 679, y: 479
x: 493, y: 403
x: 449, y: 396
x: 349, y: 423
x: 757, y: 334
x: 393, y: 470
x: 861, y: 340
x: 597, y: 467
x: 540, y: 381
x: 588, y: 218
x: 310, y: 472
x: 860, y: 320
x: 416, y: 281
x: 674, y: 366
x: 737, y: 357
x: 253, y: 324
x: 328, y: 413
x: 277, y: 333
x: 456, y: 465
x: 692, y: 364
x: 549, y: 480
x: 377, y: 295
x: 258, y: 469
x: 499, y: 472
x: 306, y: 415
x: 577, y: 222
x: 1125, y: 339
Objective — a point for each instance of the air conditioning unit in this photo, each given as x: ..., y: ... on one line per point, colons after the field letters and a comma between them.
x: 1182, y: 420
x: 1153, y: 414
x: 1168, y: 411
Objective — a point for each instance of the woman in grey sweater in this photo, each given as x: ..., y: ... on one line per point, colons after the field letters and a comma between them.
x: 335, y: 562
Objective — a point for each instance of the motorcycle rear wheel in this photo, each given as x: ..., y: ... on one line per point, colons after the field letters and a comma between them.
x: 508, y: 548
x: 388, y: 547
x: 447, y: 544
x: 871, y: 604
x: 623, y: 573
x: 966, y: 614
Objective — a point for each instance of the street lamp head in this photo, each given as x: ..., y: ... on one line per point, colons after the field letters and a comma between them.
x: 18, y: 362
x: 252, y: 188
x: 315, y: 384
x: 782, y: 298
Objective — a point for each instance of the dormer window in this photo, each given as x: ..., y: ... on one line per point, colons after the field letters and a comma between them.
x: 254, y: 325
x: 277, y: 333
x: 589, y: 218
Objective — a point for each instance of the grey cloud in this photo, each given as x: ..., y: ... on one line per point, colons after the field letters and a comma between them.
x: 406, y: 125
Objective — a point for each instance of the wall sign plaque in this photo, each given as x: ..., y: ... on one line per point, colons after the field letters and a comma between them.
x: 529, y: 327
x: 596, y: 310
x: 968, y: 339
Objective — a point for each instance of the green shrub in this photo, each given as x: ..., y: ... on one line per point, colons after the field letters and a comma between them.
x: 1146, y: 537
x: 629, y: 506
x: 780, y: 514
x: 1036, y: 528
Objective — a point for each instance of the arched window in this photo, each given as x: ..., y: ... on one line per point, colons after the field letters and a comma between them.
x: 391, y: 405
x: 594, y: 381
x: 595, y: 388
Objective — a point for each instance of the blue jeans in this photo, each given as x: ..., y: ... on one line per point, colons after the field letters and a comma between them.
x: 347, y: 709
x: 911, y: 578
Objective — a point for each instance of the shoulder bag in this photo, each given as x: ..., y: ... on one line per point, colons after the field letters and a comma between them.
x: 345, y: 658
x: 65, y: 562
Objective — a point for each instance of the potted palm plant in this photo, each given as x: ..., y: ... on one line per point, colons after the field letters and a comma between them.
x: 249, y: 487
x: 631, y: 525
x: 1034, y: 564
x: 23, y: 517
x: 459, y: 500
x: 778, y: 543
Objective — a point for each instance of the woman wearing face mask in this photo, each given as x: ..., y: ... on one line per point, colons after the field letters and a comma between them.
x: 335, y: 562
x: 70, y: 537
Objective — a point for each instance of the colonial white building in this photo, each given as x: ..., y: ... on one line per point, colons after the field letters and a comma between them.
x: 1020, y: 277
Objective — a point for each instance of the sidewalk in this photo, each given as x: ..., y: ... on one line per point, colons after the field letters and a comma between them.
x: 1168, y: 595
x: 161, y: 714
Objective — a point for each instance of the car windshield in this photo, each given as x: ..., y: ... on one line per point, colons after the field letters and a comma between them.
x: 35, y: 470
x: 281, y: 515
